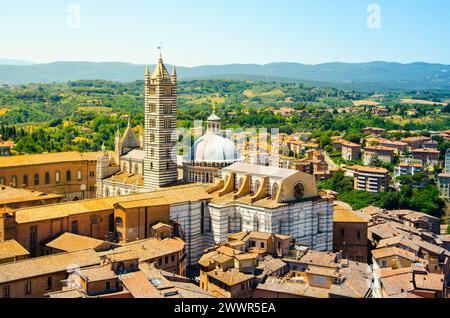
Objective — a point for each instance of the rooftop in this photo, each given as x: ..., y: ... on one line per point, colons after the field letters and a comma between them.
x: 47, y: 265
x: 342, y: 215
x: 153, y: 248
x: 260, y: 170
x: 47, y: 158
x: 173, y: 195
x: 230, y: 277
x: 12, y: 249
x: 69, y: 242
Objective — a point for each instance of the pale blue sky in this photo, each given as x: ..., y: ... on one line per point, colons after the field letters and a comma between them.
x: 199, y: 32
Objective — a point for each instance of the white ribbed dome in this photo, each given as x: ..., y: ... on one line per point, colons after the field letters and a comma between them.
x: 212, y: 148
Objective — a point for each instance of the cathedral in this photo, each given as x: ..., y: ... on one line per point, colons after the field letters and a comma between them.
x: 149, y: 163
x: 241, y: 197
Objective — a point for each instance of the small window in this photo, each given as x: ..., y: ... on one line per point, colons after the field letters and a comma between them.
x: 108, y: 286
x: 152, y: 107
x: 92, y: 174
x: 25, y: 180
x: 14, y: 181
x: 160, y: 261
x: 167, y: 123
x: 152, y: 137
x: 172, y: 258
x: 68, y: 176
x: 2, y: 181
x: 342, y: 232
x: 119, y: 222
x: 79, y: 175
x: 36, y: 179
x: 263, y: 245
x: 57, y: 177
x: 6, y: 292
x: 358, y: 235
x: 74, y: 227
x: 47, y: 178
x: 166, y: 260
x: 28, y: 287
x: 152, y: 123
x: 49, y: 283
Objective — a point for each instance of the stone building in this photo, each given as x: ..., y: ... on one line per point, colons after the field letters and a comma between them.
x: 272, y: 200
x: 350, y: 234
x: 71, y: 174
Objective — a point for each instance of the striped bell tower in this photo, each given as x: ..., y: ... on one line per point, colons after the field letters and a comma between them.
x: 160, y: 167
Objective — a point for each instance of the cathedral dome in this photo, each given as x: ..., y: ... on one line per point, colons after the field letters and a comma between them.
x: 212, y: 148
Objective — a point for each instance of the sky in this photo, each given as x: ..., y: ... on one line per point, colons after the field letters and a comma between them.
x: 205, y: 32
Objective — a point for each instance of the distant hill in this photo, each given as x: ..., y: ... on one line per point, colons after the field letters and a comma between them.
x: 14, y: 62
x: 373, y: 76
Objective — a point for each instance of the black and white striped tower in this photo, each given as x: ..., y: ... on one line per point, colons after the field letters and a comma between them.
x: 160, y: 167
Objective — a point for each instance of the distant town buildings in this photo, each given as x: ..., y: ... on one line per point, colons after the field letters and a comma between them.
x: 369, y: 178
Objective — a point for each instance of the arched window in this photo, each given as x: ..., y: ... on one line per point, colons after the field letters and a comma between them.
x: 256, y: 224
x: 79, y: 175
x: 47, y: 178
x: 36, y: 179
x: 58, y: 177
x: 119, y: 222
x: 2, y: 181
x: 68, y: 176
x: 25, y: 180
x: 299, y: 191
x: 74, y: 227
x: 274, y: 191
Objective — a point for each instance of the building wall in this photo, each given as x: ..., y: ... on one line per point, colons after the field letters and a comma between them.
x: 94, y: 224
x: 345, y: 239
x: 71, y: 189
x: 39, y: 287
x: 308, y: 222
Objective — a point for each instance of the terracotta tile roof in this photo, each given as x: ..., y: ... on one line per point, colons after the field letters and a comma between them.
x: 127, y: 178
x: 11, y: 249
x: 368, y: 169
x: 394, y: 251
x: 177, y: 194
x: 342, y: 215
x: 139, y: 286
x: 69, y: 242
x: 230, y: 277
x: 9, y: 195
x: 152, y: 248
x: 433, y: 151
x: 398, y: 284
x: 47, y: 158
x: 429, y: 281
x: 47, y: 265
x: 98, y: 273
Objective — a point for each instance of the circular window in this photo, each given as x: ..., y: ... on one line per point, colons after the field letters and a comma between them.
x: 299, y: 191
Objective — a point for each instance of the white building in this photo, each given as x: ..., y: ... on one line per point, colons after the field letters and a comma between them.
x: 272, y: 200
